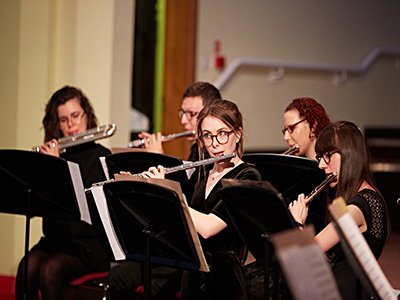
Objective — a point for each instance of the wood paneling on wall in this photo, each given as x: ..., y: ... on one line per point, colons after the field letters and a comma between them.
x: 180, y: 46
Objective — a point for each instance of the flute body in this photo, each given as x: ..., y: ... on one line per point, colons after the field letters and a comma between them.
x: 320, y: 187
x: 195, y: 164
x: 165, y: 138
x: 90, y: 135
x: 182, y: 167
x: 291, y: 150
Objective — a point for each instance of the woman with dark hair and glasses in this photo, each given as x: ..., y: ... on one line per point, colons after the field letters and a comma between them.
x: 220, y: 132
x: 341, y: 148
x: 68, y: 249
x: 303, y: 120
x: 125, y: 277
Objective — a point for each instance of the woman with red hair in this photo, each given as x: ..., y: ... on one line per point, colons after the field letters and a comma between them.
x: 303, y: 120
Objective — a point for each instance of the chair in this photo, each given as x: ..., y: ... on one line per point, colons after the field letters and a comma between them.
x: 89, y: 286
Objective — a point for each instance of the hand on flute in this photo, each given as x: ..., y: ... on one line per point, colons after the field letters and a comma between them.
x: 152, y: 142
x: 51, y: 148
x: 299, y: 209
x: 154, y: 172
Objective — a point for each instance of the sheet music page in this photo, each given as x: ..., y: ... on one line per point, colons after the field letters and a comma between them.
x: 79, y: 189
x: 305, y: 267
x: 361, y: 249
x: 104, y: 166
x: 195, y: 237
x: 101, y: 204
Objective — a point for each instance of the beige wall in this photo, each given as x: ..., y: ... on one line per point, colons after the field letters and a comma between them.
x: 47, y: 44
x: 335, y: 32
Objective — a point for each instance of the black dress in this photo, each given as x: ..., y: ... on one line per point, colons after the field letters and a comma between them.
x: 225, y: 280
x: 372, y: 205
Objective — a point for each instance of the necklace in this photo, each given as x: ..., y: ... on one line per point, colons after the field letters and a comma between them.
x: 214, y: 176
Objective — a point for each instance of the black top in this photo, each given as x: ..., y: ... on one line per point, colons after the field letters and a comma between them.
x: 226, y: 279
x: 372, y: 206
x: 227, y: 239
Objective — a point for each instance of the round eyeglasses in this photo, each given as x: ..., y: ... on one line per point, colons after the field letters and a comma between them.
x: 75, y: 118
x: 326, y: 156
x: 189, y: 114
x: 222, y: 138
x: 290, y: 128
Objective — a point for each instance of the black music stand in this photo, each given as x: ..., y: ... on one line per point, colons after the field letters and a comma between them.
x: 293, y: 175
x: 36, y: 184
x: 153, y: 227
x: 139, y: 161
x: 256, y: 210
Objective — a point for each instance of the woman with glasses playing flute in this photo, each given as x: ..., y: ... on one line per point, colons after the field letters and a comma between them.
x: 125, y: 277
x: 220, y: 130
x: 303, y: 120
x: 341, y: 148
x: 68, y: 249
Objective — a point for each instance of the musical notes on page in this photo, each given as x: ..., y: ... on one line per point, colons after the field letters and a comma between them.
x: 304, y: 265
x: 348, y: 230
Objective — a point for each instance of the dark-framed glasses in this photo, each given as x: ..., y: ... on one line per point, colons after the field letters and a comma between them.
x: 326, y: 156
x: 189, y: 114
x: 290, y: 128
x: 222, y: 138
x: 75, y: 118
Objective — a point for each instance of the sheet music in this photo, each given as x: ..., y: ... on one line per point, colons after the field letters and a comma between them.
x: 104, y: 166
x: 304, y: 265
x: 101, y: 204
x: 195, y: 237
x: 79, y: 191
x: 362, y: 251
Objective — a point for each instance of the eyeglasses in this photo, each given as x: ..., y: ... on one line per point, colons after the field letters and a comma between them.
x: 75, y: 118
x: 290, y: 128
x: 326, y: 156
x: 222, y: 138
x: 189, y: 114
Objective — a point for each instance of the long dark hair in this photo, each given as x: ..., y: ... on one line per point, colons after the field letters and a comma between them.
x: 50, y: 120
x: 346, y: 138
x: 227, y: 112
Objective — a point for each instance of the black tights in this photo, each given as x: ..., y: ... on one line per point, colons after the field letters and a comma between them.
x: 48, y: 272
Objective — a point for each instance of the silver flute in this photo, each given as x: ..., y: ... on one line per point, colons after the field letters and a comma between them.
x: 165, y: 138
x: 291, y: 150
x: 320, y: 187
x: 90, y: 135
x: 182, y: 167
